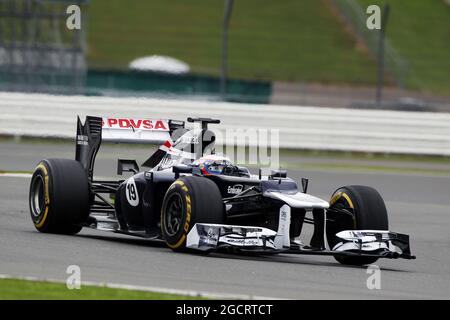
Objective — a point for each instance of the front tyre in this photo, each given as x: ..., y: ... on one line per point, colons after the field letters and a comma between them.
x: 189, y: 200
x: 59, y: 196
x: 356, y: 208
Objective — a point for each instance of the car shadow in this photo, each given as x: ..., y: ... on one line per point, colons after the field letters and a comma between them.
x: 302, y: 259
x: 136, y: 241
x: 267, y: 258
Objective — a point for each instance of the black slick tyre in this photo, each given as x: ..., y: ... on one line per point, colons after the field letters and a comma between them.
x: 59, y: 196
x: 189, y: 200
x: 365, y: 210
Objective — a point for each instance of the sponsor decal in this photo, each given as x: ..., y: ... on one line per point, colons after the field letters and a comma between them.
x: 251, y: 242
x: 236, y: 189
x: 283, y: 212
x: 189, y: 139
x: 82, y: 140
x: 234, y: 241
x: 135, y: 124
x: 241, y: 241
x: 148, y: 175
x: 46, y: 196
x: 188, y: 210
x: 208, y: 237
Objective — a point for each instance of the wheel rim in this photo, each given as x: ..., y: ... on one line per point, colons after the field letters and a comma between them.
x: 174, y: 214
x: 37, y: 199
x: 340, y: 222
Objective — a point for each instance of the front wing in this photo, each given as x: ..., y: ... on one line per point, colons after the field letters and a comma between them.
x: 368, y: 243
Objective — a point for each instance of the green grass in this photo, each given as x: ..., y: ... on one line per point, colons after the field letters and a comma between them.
x: 420, y: 31
x: 13, y: 289
x: 277, y: 40
x: 287, y: 40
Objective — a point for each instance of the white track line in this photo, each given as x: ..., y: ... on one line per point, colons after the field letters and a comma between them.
x: 190, y: 293
x: 16, y: 175
x: 29, y: 175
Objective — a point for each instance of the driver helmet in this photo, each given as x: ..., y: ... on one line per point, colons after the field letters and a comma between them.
x: 212, y: 164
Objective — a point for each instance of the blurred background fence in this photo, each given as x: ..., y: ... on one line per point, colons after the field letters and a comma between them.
x: 309, y: 52
x: 355, y: 18
x: 313, y: 128
x: 38, y: 52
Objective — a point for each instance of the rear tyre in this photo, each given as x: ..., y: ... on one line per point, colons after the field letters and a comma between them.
x: 365, y: 209
x: 59, y: 196
x: 189, y: 200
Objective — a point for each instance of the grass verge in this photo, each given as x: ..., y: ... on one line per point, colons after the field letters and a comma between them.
x: 420, y: 32
x: 286, y: 40
x: 280, y: 40
x: 15, y: 289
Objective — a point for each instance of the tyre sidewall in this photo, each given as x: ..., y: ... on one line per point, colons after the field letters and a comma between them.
x: 202, y: 203
x: 179, y: 239
x: 369, y: 212
x: 66, y: 194
x: 42, y: 221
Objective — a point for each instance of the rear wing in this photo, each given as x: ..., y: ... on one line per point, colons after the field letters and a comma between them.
x: 120, y: 130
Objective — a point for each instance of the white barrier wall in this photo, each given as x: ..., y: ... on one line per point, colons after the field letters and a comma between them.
x: 299, y: 126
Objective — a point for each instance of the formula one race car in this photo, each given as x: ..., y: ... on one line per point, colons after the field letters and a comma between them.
x: 194, y: 199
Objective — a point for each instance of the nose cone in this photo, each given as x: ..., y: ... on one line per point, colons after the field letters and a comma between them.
x: 299, y: 200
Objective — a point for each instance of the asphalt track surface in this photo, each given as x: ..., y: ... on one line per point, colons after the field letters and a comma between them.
x: 418, y: 205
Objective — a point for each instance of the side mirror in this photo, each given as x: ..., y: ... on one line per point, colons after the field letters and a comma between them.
x: 182, y: 168
x: 305, y: 182
x: 278, y: 174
